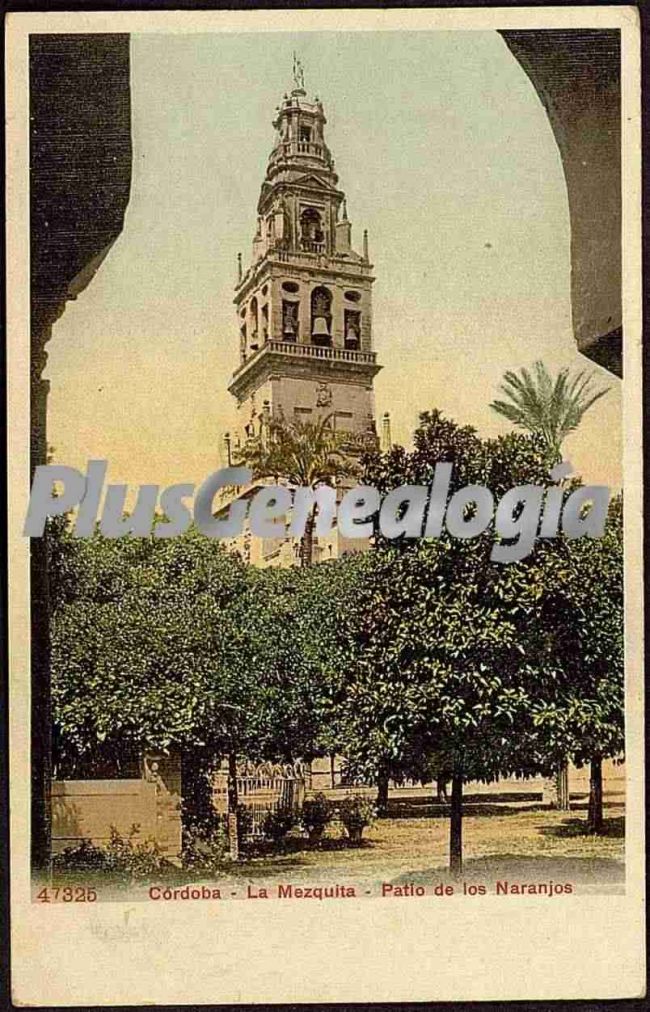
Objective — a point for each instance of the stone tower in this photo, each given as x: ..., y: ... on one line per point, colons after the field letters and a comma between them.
x: 304, y: 303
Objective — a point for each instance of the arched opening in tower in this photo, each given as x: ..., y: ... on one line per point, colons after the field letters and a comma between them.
x: 312, y: 236
x: 321, y: 316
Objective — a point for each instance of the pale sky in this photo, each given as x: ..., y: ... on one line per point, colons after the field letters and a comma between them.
x: 447, y: 158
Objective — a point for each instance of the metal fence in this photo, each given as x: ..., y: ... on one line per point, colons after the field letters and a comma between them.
x: 266, y: 789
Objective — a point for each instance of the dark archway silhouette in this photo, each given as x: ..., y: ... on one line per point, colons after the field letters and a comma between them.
x: 576, y: 74
x: 80, y: 168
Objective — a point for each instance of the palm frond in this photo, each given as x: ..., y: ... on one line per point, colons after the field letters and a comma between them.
x: 300, y: 453
x: 550, y: 407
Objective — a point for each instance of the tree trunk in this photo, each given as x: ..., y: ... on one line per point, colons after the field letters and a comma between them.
x: 563, y: 799
x: 233, y: 803
x: 555, y: 792
x: 382, y: 792
x: 456, y: 825
x: 595, y: 815
x: 307, y: 542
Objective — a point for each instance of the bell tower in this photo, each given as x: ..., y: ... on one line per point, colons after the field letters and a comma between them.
x: 303, y: 304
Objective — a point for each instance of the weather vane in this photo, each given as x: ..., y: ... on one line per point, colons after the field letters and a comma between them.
x: 298, y: 73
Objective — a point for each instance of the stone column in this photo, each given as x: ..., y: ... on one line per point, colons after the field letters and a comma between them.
x: 165, y: 772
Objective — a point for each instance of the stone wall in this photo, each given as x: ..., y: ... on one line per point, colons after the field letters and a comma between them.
x: 87, y: 809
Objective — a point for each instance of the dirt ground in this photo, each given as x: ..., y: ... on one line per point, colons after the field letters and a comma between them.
x: 506, y: 835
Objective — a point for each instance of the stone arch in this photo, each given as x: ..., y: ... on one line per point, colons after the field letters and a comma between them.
x: 576, y: 74
x: 311, y: 227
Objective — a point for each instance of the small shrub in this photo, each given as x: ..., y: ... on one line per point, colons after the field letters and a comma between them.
x: 84, y: 857
x: 356, y: 813
x: 124, y: 857
x: 277, y: 824
x: 139, y: 859
x: 205, y: 852
x: 316, y: 815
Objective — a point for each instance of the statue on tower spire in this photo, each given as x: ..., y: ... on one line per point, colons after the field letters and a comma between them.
x: 298, y: 73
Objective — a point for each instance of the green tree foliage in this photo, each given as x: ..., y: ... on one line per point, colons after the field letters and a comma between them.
x: 139, y: 634
x: 275, y: 622
x: 175, y: 644
x: 552, y: 409
x: 416, y: 650
x: 446, y: 667
x: 499, y: 464
x: 160, y: 643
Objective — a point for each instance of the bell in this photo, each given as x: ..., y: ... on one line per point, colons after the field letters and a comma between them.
x: 289, y: 329
x: 320, y: 328
x: 352, y: 336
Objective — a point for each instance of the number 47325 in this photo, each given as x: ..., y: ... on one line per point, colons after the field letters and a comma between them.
x: 67, y: 894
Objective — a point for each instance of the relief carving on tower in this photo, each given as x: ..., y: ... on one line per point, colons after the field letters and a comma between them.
x: 323, y: 395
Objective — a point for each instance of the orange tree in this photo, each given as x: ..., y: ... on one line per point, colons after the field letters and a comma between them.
x: 586, y: 595
x: 138, y: 627
x: 174, y: 644
x: 454, y: 653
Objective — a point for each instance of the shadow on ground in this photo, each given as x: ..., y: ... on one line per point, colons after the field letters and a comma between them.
x: 612, y: 828
x: 579, y: 871
x: 473, y: 804
x: 513, y: 803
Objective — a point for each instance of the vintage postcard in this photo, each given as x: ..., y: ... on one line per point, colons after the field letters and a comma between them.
x: 325, y: 506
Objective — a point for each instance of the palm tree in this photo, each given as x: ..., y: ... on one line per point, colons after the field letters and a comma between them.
x: 552, y: 408
x: 306, y: 454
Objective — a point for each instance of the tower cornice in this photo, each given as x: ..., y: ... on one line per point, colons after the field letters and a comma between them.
x: 307, y: 185
x: 309, y: 265
x: 288, y: 358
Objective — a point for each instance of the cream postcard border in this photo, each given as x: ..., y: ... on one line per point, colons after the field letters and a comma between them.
x: 132, y: 953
